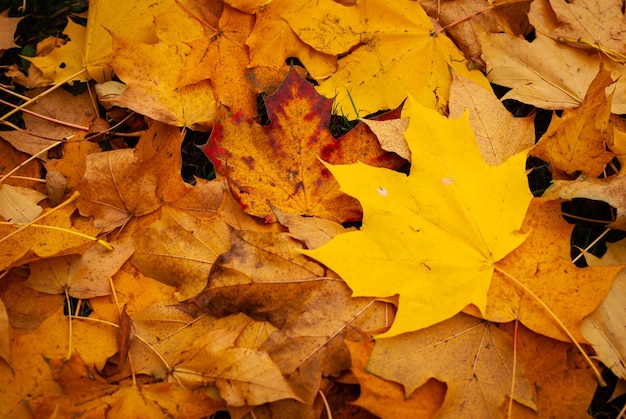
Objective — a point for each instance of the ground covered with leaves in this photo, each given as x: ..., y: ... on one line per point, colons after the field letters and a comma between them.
x: 277, y: 209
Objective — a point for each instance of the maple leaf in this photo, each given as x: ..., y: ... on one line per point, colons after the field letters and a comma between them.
x: 179, y: 249
x: 577, y: 141
x: 603, y: 328
x: 610, y: 190
x: 19, y: 205
x: 387, y: 398
x: 265, y: 277
x: 61, y: 105
x: 385, y: 40
x: 279, y: 162
x: 570, y: 292
x: 75, y: 275
x: 412, y: 224
x: 499, y: 135
x: 85, y: 392
x: 483, y: 358
x: 463, y: 19
x: 595, y: 24
x: 223, y: 58
x: 558, y: 81
x: 9, y: 25
x: 65, y: 63
x: 244, y: 376
x: 272, y: 41
x: 561, y: 383
x: 152, y: 73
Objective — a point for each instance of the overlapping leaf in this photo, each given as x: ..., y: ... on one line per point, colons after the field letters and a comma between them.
x: 280, y: 163
x: 413, y: 224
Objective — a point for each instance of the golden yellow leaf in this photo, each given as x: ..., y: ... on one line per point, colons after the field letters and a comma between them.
x: 45, y: 239
x: 272, y: 40
x: 543, y: 265
x: 223, y: 58
x: 413, y: 225
x: 473, y: 357
x: 132, y: 20
x: 152, y: 73
x: 66, y: 60
x: 75, y: 274
x: 577, y: 141
x: 33, y: 378
x: 392, y: 52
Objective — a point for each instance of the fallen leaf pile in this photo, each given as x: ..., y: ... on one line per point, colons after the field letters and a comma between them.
x: 402, y: 268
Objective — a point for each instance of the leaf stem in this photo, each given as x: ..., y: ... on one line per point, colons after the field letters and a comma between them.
x: 46, y: 118
x: 601, y: 381
x: 39, y: 96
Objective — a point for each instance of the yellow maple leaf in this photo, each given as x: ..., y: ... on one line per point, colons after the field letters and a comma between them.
x: 67, y: 60
x: 392, y: 47
x: 432, y: 237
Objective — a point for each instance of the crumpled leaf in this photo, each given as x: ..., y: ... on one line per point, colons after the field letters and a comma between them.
x: 280, y: 163
x: 391, y: 53
x: 179, y: 250
x: 76, y: 274
x: 596, y: 24
x: 507, y: 16
x: 19, y: 205
x: 577, y: 141
x: 499, y: 135
x: 84, y: 392
x: 265, y: 277
x: 67, y: 60
x: 244, y: 376
x: 117, y: 187
x: 412, y: 224
x: 611, y: 190
x: 479, y: 383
